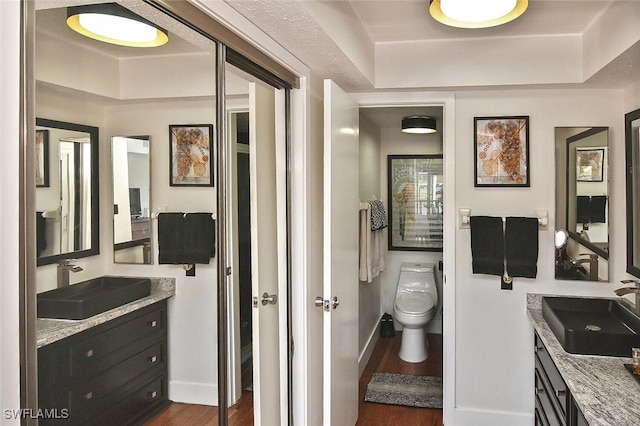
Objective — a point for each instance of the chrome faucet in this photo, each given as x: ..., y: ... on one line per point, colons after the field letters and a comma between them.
x: 64, y: 266
x: 626, y: 290
x: 593, y: 264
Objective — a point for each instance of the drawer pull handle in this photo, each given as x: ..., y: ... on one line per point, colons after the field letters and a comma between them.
x: 153, y: 324
x: 153, y: 359
x: 539, y: 391
x: 88, y: 395
x: 560, y: 393
x: 89, y: 353
x: 153, y: 394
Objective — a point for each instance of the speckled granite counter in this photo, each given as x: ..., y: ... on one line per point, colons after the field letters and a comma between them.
x: 606, y: 393
x: 52, y: 330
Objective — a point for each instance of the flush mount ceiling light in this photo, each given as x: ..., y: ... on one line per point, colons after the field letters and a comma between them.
x: 112, y: 23
x: 476, y: 13
x: 418, y: 124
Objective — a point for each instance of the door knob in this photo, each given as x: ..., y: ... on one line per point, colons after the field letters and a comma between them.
x: 326, y: 304
x: 269, y: 299
x: 335, y: 302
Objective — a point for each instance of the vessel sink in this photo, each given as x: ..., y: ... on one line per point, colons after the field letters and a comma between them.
x: 89, y: 298
x: 592, y: 326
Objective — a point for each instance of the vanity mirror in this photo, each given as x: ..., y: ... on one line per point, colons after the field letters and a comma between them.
x: 131, y: 199
x: 582, y: 203
x: 67, y: 191
x: 632, y: 137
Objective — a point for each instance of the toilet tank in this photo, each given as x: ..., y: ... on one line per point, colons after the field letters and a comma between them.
x: 417, y: 276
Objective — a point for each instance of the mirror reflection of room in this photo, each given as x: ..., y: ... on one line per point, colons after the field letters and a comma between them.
x: 582, y: 229
x: 65, y: 189
x: 131, y: 198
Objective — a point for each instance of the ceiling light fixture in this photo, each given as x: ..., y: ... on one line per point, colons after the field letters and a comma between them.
x: 418, y: 124
x: 112, y: 23
x: 476, y: 13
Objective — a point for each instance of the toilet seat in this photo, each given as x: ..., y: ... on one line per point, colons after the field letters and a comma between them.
x: 415, y: 304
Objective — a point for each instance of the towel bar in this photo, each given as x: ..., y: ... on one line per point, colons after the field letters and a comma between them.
x: 542, y: 215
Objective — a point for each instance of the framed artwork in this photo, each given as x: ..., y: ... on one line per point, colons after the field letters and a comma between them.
x: 501, y: 151
x: 415, y: 202
x: 190, y: 151
x: 42, y: 158
x: 589, y: 164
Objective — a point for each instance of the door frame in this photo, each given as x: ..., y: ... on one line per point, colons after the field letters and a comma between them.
x: 234, y: 349
x: 446, y: 100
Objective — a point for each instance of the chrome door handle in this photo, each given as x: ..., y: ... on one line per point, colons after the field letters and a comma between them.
x: 335, y: 302
x: 326, y: 304
x: 269, y: 299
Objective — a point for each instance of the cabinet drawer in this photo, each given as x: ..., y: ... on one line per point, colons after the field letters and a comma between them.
x: 547, y: 410
x: 558, y: 391
x: 91, y: 394
x: 136, y: 405
x: 85, y: 356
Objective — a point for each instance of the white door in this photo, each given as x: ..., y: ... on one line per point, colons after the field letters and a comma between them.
x: 340, y: 298
x: 268, y: 252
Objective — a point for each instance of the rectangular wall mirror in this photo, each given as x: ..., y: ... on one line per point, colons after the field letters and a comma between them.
x: 132, y: 228
x: 66, y: 191
x: 582, y: 203
x: 632, y: 142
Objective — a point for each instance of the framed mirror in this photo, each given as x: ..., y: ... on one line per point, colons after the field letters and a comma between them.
x: 582, y: 203
x: 132, y: 228
x: 632, y: 149
x: 67, y: 220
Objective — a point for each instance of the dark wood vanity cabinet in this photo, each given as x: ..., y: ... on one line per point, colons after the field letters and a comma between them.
x: 112, y: 374
x: 554, y: 404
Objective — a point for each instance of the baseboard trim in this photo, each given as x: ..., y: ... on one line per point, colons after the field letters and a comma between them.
x: 365, y: 355
x: 470, y: 416
x: 193, y: 393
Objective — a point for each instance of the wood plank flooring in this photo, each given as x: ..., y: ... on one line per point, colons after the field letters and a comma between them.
x: 383, y: 359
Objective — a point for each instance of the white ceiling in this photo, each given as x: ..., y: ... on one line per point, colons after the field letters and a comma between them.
x: 343, y: 39
x: 348, y: 41
x: 400, y: 20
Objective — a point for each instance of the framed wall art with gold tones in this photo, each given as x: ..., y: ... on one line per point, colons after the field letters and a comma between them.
x: 190, y: 154
x: 501, y: 151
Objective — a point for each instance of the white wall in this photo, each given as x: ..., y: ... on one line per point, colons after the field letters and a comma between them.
x: 9, y: 209
x: 369, y: 293
x: 494, y: 379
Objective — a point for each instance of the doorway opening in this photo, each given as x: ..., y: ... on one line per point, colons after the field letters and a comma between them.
x: 381, y: 137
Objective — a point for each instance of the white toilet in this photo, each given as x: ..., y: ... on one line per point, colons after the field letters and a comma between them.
x: 415, y: 305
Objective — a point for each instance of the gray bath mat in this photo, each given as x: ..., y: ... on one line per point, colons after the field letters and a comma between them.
x: 405, y: 389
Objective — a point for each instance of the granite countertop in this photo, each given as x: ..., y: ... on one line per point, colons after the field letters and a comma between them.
x: 604, y: 390
x: 51, y: 330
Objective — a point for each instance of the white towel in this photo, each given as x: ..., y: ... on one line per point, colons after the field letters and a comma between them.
x: 371, y: 256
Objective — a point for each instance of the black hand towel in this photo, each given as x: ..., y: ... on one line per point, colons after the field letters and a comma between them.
x: 487, y: 245
x: 583, y: 206
x: 170, y: 238
x: 521, y: 246
x: 41, y: 235
x: 199, y: 237
x: 597, y: 208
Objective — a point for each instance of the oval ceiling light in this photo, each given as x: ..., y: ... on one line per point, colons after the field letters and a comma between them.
x: 112, y: 23
x: 476, y: 13
x: 418, y: 124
